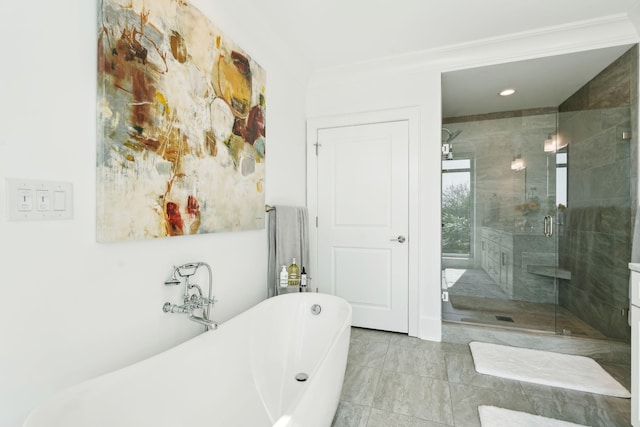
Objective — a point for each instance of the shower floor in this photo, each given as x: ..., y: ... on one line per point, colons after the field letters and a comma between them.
x: 475, y: 298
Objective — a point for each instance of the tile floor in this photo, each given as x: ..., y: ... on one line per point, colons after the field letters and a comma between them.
x: 394, y: 380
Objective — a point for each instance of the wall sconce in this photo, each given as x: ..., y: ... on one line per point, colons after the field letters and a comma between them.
x: 517, y: 164
x: 550, y: 144
x: 553, y: 143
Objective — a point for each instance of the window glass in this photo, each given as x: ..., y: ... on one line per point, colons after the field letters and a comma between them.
x: 456, y: 207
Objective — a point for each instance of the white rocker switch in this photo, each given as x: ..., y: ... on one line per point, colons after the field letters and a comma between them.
x: 59, y: 200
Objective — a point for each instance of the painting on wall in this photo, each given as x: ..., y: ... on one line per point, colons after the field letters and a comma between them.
x: 181, y: 125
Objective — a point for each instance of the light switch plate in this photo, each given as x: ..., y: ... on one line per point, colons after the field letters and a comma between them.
x: 33, y: 200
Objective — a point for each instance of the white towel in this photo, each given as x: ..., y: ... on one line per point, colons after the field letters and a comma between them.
x: 288, y: 238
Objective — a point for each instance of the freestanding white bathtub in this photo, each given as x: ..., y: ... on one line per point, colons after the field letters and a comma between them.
x: 242, y: 374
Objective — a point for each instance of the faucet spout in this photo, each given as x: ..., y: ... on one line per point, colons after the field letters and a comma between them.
x: 196, y: 287
x: 210, y: 324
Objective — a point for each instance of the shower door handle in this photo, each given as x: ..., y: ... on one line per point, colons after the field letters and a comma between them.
x: 548, y: 225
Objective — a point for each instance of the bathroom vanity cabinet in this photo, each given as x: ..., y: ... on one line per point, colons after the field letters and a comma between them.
x: 497, y: 257
x: 519, y: 263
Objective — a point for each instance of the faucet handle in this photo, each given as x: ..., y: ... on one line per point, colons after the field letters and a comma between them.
x: 173, y: 308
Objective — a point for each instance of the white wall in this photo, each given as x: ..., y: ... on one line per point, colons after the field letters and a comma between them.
x: 414, y: 81
x: 71, y: 308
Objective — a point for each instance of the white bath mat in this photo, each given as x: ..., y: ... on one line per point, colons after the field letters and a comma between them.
x: 544, y: 367
x: 490, y: 416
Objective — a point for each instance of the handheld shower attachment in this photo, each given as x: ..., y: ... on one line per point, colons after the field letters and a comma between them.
x: 184, y: 270
x: 173, y: 280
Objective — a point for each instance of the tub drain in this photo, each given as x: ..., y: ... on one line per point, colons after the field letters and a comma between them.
x: 302, y: 377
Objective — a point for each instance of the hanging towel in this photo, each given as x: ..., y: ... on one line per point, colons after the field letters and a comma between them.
x: 288, y: 238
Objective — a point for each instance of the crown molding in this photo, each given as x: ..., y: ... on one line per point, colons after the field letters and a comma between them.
x: 607, y: 31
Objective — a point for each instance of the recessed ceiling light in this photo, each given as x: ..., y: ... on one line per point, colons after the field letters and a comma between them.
x: 507, y: 92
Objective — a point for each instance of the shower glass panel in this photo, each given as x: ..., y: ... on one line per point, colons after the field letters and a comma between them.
x: 537, y: 222
x: 498, y: 221
x: 595, y: 227
x: 541, y: 237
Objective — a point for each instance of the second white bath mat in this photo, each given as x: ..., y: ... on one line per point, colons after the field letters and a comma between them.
x: 490, y: 416
x: 544, y: 367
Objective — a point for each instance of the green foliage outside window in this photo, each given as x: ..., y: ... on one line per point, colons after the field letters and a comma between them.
x: 456, y: 216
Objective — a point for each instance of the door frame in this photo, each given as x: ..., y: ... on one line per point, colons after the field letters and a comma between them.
x: 410, y: 115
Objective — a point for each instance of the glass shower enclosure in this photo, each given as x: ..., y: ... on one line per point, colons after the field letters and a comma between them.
x: 536, y: 222
x: 538, y: 206
x: 499, y: 221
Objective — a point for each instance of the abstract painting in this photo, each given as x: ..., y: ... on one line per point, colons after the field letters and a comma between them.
x: 181, y: 121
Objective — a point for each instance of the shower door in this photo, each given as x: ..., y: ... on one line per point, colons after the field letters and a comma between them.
x: 499, y: 222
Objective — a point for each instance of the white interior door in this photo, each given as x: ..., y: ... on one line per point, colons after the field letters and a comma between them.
x: 363, y: 220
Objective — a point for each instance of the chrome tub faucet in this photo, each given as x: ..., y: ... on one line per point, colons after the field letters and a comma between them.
x: 193, y: 298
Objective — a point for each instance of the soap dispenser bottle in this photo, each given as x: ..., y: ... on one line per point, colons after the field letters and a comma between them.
x: 294, y: 273
x: 284, y: 277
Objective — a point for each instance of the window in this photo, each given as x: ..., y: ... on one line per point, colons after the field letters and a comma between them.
x: 457, y: 219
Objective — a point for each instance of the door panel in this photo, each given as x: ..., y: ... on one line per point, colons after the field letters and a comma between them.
x: 366, y: 286
x: 362, y: 209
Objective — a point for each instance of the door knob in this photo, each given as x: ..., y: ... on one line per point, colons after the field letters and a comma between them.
x: 400, y: 239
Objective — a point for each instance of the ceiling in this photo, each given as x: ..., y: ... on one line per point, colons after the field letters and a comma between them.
x: 330, y: 33
x: 539, y: 83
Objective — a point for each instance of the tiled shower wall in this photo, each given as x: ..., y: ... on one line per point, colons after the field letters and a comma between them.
x: 492, y: 141
x: 595, y: 230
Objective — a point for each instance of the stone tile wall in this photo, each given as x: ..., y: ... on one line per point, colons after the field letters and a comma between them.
x: 595, y: 231
x: 500, y: 192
